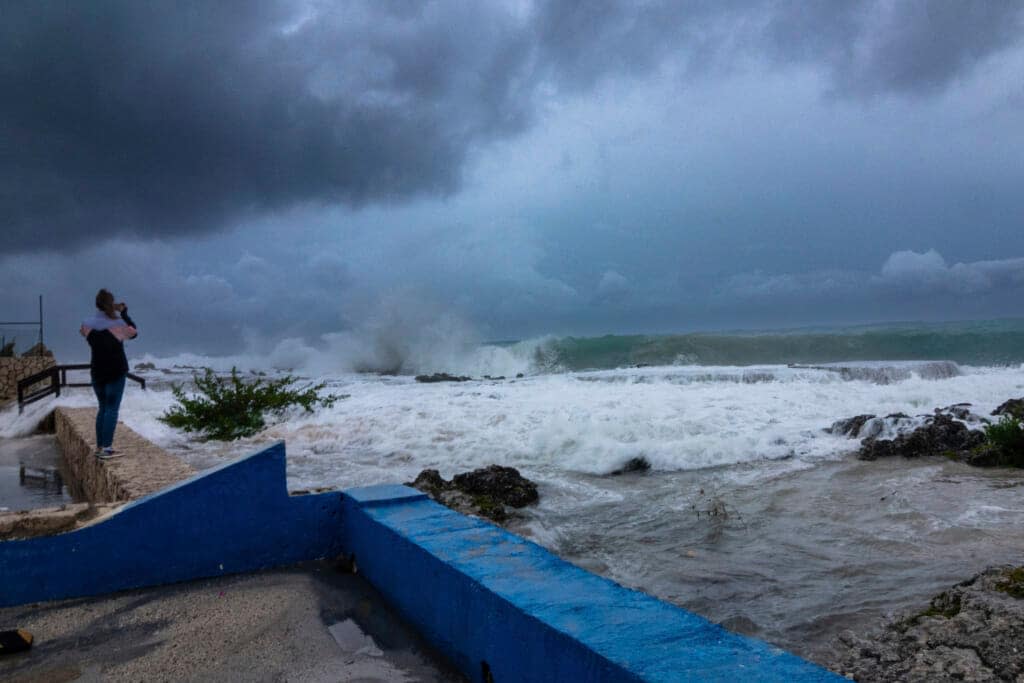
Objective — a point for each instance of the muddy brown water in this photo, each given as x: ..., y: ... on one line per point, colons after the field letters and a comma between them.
x: 792, y: 557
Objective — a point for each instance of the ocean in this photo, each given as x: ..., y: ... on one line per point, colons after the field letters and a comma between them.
x: 750, y: 514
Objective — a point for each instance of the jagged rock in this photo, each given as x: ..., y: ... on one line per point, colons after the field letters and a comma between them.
x: 940, y: 435
x: 145, y: 366
x: 639, y: 464
x: 504, y: 484
x: 1014, y: 407
x: 441, y: 377
x: 960, y: 411
x: 850, y: 427
x: 430, y: 482
x: 986, y: 455
x: 483, y: 492
x: 870, y: 426
x: 973, y: 631
x: 494, y: 378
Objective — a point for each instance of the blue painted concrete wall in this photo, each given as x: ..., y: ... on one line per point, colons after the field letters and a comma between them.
x: 481, y: 594
x: 235, y: 518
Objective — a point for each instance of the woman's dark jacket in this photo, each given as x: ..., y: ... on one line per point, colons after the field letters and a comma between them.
x: 108, y: 362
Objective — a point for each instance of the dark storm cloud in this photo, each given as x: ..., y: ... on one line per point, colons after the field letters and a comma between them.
x: 900, y: 46
x: 167, y: 118
x: 183, y: 117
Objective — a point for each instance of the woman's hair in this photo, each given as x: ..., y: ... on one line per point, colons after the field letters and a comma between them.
x: 105, y: 302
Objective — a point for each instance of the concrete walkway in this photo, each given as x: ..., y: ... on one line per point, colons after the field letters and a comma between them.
x: 302, y: 624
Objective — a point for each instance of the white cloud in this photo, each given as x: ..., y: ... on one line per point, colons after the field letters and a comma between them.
x: 759, y: 285
x: 928, y: 272
x: 613, y: 285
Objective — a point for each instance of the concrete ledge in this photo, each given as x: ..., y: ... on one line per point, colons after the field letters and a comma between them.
x: 500, y: 606
x: 48, y: 521
x: 143, y: 469
x: 234, y: 518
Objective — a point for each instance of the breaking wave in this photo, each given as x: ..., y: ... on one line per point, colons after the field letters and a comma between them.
x: 444, y: 343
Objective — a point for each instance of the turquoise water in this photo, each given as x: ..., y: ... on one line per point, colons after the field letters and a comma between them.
x: 988, y: 343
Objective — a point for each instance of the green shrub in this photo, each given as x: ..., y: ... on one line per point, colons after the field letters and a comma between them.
x: 227, y: 408
x: 1007, y: 433
x: 1007, y: 438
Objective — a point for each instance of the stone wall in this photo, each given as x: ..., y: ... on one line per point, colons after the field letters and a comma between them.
x: 144, y: 467
x: 102, y: 485
x: 13, y: 369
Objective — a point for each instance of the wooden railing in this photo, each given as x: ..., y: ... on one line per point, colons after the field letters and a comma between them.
x: 58, y: 377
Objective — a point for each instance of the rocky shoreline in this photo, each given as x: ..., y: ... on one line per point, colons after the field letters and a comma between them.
x: 954, y: 432
x: 485, y: 492
x: 973, y: 631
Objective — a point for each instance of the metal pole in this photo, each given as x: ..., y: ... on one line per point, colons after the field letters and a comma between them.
x: 40, y: 322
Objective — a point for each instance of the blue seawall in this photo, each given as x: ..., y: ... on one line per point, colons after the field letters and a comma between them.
x: 499, y: 607
x: 234, y: 518
x: 494, y: 602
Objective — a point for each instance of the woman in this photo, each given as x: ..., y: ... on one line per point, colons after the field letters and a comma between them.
x: 106, y: 332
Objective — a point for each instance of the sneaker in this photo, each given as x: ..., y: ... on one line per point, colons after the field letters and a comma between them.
x: 108, y: 453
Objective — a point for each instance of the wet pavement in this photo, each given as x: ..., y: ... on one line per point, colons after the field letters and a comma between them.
x: 30, y: 475
x: 309, y: 623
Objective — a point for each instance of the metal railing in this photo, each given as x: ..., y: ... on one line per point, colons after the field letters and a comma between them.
x: 32, y: 323
x: 58, y: 377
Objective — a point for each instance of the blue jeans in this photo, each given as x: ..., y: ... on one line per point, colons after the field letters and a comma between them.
x: 109, y: 396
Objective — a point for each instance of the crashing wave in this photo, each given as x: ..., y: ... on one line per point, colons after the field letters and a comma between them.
x: 887, y: 373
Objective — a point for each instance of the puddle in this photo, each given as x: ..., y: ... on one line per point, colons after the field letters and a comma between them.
x: 30, y: 474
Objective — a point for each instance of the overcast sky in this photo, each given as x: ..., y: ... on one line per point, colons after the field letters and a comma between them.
x: 246, y: 172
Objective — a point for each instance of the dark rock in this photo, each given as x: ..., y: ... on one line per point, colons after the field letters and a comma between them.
x: 873, y: 449
x: 941, y: 435
x: 494, y: 378
x: 897, y: 416
x: 430, y: 482
x: 145, y: 366
x: 483, y: 492
x: 1014, y: 407
x: 504, y: 484
x: 639, y: 464
x: 973, y: 631
x: 850, y: 427
x: 985, y: 455
x: 519, y: 375
x: 962, y: 411
x: 958, y: 410
x: 441, y: 377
